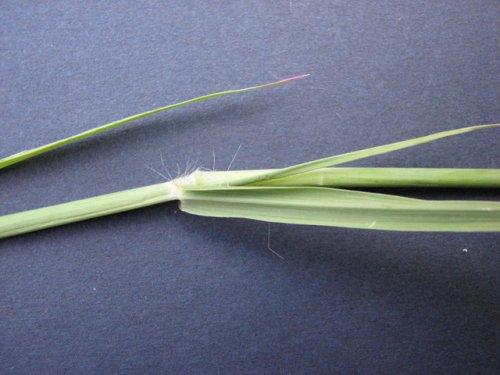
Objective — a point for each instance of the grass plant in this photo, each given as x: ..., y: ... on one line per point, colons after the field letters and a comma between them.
x: 311, y: 193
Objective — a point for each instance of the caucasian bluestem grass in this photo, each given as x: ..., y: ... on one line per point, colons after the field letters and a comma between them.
x: 311, y: 193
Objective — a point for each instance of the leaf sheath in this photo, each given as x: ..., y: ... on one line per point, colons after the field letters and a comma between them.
x: 365, y: 177
x: 47, y: 217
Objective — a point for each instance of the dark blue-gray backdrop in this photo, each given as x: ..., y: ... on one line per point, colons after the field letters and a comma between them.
x: 159, y: 291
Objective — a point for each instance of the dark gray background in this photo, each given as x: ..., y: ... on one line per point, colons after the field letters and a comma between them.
x: 159, y: 291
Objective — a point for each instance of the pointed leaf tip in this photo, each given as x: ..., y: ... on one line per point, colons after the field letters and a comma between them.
x: 293, y: 78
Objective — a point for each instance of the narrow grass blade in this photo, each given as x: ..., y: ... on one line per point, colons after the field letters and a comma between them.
x: 342, y: 208
x: 24, y: 155
x: 47, y: 217
x: 355, y: 155
x: 365, y: 177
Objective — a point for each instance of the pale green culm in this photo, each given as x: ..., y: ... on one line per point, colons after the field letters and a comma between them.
x: 310, y: 193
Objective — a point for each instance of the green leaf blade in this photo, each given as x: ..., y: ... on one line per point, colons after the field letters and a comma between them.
x: 343, y: 208
x: 28, y: 154
x: 355, y: 155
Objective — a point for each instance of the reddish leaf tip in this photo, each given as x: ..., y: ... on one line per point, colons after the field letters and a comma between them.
x: 293, y: 78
